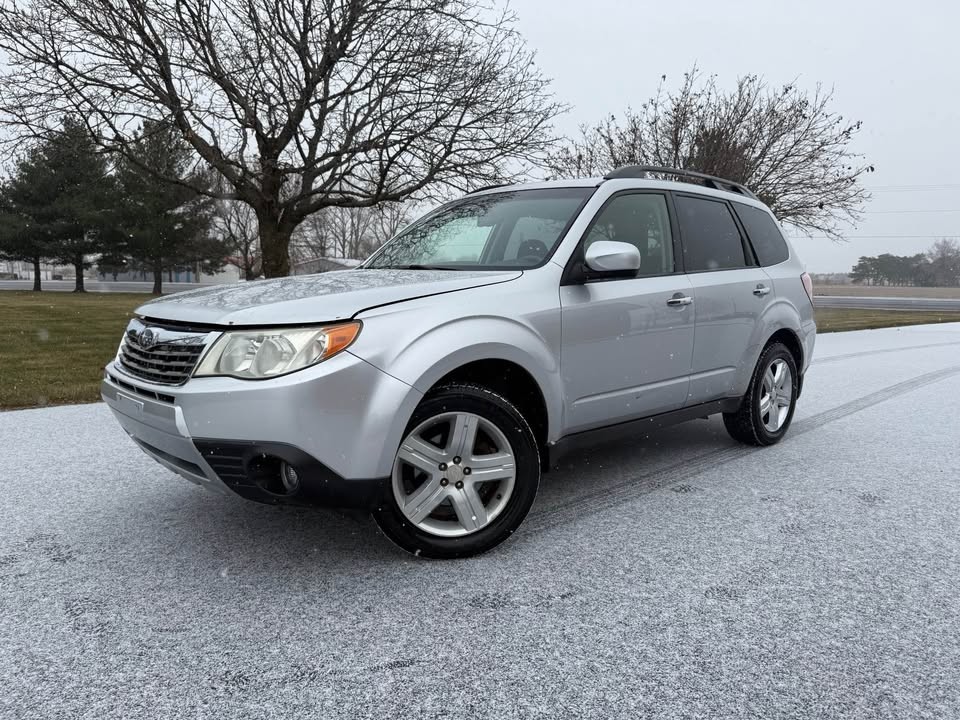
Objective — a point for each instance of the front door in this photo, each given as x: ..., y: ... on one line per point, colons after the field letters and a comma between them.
x: 627, y: 342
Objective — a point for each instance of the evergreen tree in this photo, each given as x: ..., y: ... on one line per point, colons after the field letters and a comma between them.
x: 166, y: 224
x: 58, y: 203
x: 20, y: 238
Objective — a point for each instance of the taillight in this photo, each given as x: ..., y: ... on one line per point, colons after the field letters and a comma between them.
x: 807, y: 285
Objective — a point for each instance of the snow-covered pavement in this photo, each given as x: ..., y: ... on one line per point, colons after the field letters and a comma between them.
x: 677, y: 576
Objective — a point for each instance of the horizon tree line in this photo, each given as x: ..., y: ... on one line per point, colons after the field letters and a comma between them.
x: 937, y: 267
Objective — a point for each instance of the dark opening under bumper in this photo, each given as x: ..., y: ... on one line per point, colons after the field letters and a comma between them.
x: 253, y: 471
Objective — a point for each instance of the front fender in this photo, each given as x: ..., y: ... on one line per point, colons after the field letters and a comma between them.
x: 422, y: 357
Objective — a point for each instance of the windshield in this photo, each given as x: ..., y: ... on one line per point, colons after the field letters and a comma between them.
x: 518, y: 229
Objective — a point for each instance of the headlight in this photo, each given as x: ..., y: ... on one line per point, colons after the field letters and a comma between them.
x: 256, y: 354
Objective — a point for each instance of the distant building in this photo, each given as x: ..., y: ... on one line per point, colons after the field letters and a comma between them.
x: 229, y: 274
x: 19, y: 270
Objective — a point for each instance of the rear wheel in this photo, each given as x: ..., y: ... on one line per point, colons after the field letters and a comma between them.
x: 464, y: 477
x: 767, y: 409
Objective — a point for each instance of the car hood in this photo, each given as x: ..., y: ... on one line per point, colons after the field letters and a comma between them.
x: 312, y: 298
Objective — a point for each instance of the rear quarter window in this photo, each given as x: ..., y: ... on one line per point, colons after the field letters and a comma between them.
x: 764, y: 234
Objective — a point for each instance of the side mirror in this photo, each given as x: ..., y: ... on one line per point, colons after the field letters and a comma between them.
x: 607, y: 256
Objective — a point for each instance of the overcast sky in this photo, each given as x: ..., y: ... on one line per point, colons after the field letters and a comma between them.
x: 895, y: 66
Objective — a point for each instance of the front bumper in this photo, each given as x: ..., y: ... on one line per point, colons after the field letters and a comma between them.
x: 254, y: 470
x: 337, y: 424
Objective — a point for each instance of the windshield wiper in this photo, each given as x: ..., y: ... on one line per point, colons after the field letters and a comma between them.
x: 418, y: 267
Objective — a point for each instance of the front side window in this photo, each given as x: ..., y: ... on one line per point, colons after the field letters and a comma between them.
x: 518, y: 229
x: 764, y: 234
x: 642, y: 220
x: 711, y: 238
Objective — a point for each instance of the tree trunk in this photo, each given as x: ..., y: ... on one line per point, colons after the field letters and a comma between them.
x: 36, y: 273
x: 78, y: 268
x: 275, y: 249
x: 158, y: 278
x: 248, y: 272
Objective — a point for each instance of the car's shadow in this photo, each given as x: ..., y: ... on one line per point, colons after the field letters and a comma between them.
x: 179, y: 526
x: 588, y: 471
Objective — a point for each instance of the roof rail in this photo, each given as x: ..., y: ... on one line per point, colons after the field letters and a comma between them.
x: 641, y: 171
x: 489, y: 187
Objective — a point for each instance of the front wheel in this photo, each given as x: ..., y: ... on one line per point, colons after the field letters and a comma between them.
x: 767, y: 409
x: 464, y: 477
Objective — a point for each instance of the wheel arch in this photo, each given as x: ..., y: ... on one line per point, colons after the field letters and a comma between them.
x: 513, y: 382
x: 508, y: 357
x: 792, y: 340
x: 781, y: 322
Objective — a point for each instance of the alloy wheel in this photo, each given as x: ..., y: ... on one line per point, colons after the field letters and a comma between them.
x: 776, y: 396
x: 454, y: 474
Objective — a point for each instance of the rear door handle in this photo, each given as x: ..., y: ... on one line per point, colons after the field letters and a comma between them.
x: 679, y: 300
x: 761, y: 290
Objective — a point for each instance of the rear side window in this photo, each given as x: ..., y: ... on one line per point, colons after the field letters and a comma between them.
x: 765, y: 236
x: 711, y: 238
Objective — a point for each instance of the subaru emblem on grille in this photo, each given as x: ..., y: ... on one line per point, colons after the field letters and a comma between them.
x: 146, y: 338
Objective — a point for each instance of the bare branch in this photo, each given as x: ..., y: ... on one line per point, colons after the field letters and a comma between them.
x: 788, y: 146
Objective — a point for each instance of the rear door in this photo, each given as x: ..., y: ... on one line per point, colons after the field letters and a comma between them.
x: 730, y: 294
x: 627, y: 341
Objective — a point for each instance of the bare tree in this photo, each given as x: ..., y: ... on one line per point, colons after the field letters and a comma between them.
x: 351, y: 227
x: 314, y: 238
x: 390, y: 219
x: 237, y: 224
x: 348, y: 232
x: 299, y: 104
x: 787, y: 145
x: 944, y: 259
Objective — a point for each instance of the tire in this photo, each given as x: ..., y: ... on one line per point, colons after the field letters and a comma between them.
x: 436, y: 505
x: 754, y: 422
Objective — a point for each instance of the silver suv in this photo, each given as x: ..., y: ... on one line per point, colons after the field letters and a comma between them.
x: 436, y: 382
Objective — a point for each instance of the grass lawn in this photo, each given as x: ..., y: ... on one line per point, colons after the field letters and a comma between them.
x: 839, y: 319
x: 53, y: 345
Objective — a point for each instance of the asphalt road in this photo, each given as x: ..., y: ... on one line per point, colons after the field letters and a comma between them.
x: 98, y: 286
x: 888, y: 303
x: 677, y: 576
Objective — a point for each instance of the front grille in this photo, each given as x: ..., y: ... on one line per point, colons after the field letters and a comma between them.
x: 160, y: 355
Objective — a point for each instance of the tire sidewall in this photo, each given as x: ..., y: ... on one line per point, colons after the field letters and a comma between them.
x: 511, y: 423
x: 773, y: 353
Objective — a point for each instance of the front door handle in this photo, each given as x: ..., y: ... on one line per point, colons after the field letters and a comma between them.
x: 761, y: 290
x: 679, y: 300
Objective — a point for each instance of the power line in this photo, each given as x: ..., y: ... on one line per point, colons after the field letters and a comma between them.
x: 905, y: 212
x: 879, y: 237
x: 913, y: 188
